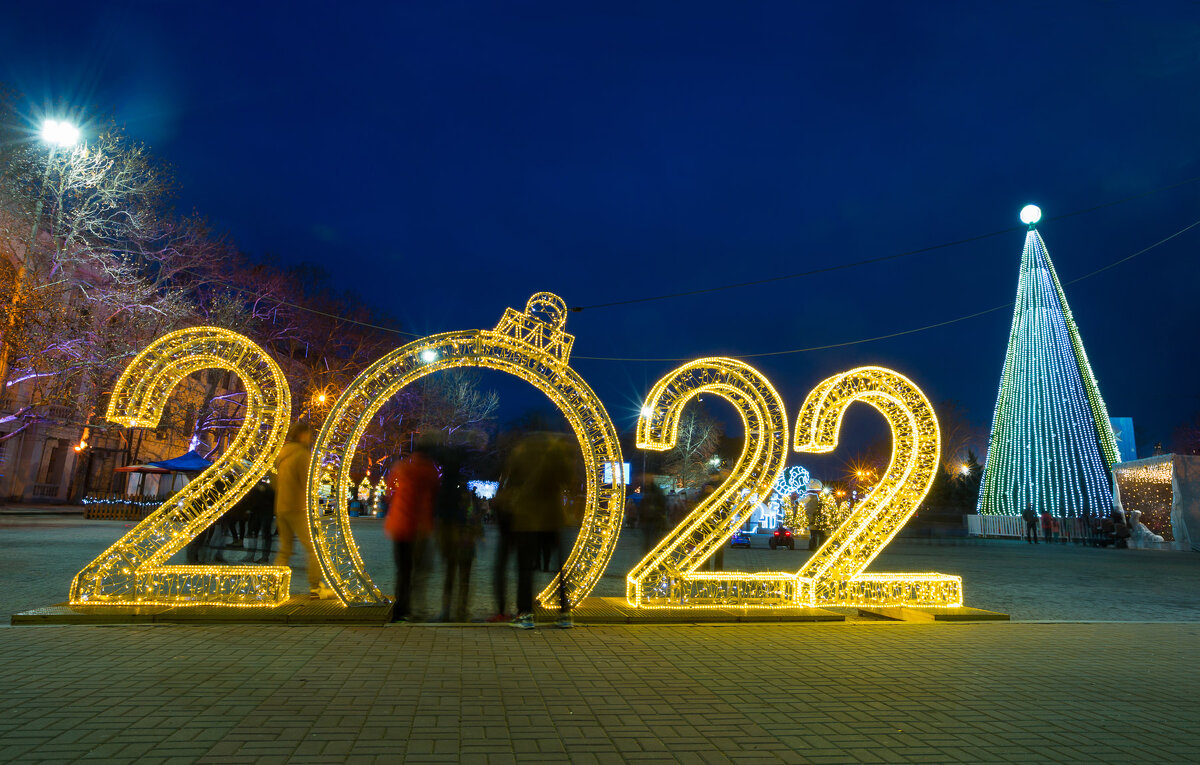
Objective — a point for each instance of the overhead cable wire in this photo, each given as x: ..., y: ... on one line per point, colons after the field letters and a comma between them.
x: 767, y: 280
x: 912, y: 331
x: 879, y: 259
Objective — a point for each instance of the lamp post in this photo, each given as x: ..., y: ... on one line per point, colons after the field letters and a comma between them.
x: 56, y: 134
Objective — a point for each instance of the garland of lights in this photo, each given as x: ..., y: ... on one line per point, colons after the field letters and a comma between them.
x: 533, y: 346
x: 530, y: 345
x: 1147, y: 486
x: 667, y: 575
x: 133, y: 570
x: 833, y: 576
x: 1052, y: 444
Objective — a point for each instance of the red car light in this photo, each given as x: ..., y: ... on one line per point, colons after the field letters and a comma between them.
x: 787, y: 534
x: 776, y: 533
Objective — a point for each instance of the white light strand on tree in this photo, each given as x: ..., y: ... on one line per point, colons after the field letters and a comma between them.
x: 1051, y: 444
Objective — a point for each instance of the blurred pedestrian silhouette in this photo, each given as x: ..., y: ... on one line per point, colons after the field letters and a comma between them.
x: 1031, y: 524
x: 1047, y: 526
x: 413, y: 486
x: 716, y: 561
x: 811, y: 504
x: 506, y: 547
x: 291, y: 507
x: 456, y: 531
x: 258, y: 506
x: 539, y: 474
x: 652, y: 515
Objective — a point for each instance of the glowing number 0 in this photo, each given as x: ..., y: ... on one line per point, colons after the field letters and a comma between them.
x: 531, y: 345
x: 834, y: 574
x: 132, y: 571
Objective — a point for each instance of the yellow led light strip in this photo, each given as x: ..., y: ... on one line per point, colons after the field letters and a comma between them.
x: 834, y: 574
x: 132, y: 571
x: 532, y: 346
x: 667, y: 577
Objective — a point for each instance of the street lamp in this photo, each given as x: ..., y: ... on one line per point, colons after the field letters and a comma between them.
x: 60, y: 133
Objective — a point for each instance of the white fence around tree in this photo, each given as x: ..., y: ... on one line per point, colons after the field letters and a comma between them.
x: 1014, y: 526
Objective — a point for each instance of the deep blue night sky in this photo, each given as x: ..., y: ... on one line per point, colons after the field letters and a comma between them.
x: 448, y: 161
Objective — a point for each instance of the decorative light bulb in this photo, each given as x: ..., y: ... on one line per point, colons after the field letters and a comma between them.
x: 1031, y: 214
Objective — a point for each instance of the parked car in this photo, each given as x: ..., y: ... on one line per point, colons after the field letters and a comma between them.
x: 782, y: 537
x: 739, y: 539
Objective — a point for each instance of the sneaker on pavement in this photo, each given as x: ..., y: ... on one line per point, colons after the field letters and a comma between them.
x: 523, y: 621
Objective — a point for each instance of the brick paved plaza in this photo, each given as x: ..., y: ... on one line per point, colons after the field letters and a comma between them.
x: 859, y: 691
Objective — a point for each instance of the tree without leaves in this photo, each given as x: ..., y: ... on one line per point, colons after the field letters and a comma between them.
x: 699, y: 435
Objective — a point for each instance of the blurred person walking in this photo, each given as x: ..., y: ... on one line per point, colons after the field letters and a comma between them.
x: 455, y: 532
x: 413, y: 488
x: 652, y: 516
x: 539, y: 474
x: 291, y: 507
x: 260, y: 511
x: 506, y: 548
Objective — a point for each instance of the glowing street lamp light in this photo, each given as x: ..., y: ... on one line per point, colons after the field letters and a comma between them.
x: 1031, y: 214
x: 60, y: 133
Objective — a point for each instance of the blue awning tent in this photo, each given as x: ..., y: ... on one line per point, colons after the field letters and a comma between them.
x: 187, y: 463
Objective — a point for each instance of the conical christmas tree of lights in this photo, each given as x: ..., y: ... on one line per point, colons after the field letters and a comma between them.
x: 1052, y: 445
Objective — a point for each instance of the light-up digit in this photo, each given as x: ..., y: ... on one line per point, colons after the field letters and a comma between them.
x: 530, y: 345
x: 667, y: 577
x: 834, y: 575
x: 132, y: 571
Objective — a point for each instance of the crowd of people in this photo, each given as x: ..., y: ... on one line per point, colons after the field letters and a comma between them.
x: 431, y: 518
x: 1114, y: 529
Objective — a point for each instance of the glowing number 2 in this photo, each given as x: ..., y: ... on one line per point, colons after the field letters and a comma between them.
x: 668, y: 576
x: 132, y: 571
x: 834, y: 574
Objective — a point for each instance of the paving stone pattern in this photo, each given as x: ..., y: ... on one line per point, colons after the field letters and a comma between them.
x: 859, y: 691
x: 747, y: 693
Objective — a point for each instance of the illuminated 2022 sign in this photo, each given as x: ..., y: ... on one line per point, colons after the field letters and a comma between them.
x: 533, y: 346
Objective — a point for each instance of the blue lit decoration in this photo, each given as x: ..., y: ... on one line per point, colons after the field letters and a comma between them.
x: 1051, y: 445
x: 483, y: 489
x: 793, y: 480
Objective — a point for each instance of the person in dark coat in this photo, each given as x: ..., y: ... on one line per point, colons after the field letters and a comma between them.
x: 455, y: 530
x: 539, y: 474
x: 652, y: 515
x: 1031, y: 524
x: 259, y: 505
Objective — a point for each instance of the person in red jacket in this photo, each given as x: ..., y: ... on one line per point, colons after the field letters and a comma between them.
x: 413, y: 484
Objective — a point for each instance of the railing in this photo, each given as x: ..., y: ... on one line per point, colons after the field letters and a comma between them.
x: 1014, y: 526
x: 115, y: 505
x: 45, y: 490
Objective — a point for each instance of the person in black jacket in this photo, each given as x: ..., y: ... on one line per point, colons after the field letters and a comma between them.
x: 259, y: 505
